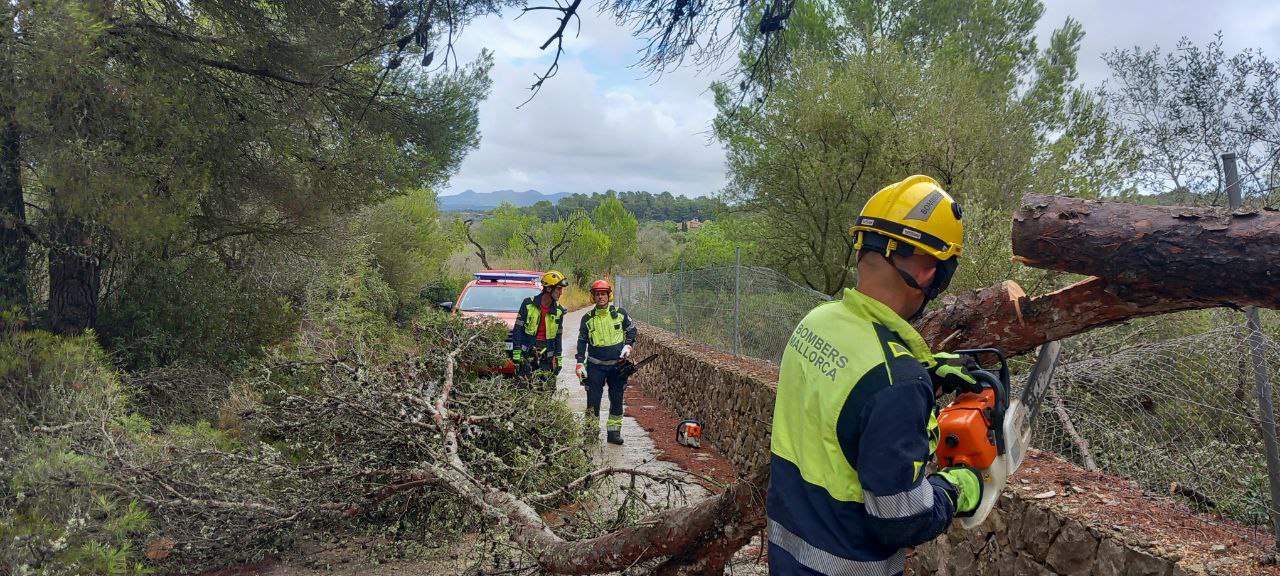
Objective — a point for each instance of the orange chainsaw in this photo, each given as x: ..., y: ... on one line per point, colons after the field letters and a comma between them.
x: 971, y: 430
x: 689, y: 433
x: 988, y: 431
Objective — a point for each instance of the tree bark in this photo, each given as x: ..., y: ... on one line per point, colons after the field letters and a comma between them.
x: 1171, y: 252
x: 484, y: 258
x: 1002, y: 316
x: 13, y: 218
x: 74, y: 277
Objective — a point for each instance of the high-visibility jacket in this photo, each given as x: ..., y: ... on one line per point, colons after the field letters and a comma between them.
x: 854, y: 423
x: 523, y: 334
x: 606, y: 330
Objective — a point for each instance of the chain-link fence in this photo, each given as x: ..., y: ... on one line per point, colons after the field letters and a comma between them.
x: 701, y: 304
x: 1181, y: 410
x: 1178, y: 416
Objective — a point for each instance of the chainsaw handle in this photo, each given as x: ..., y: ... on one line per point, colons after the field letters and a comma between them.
x: 995, y: 383
x: 977, y: 353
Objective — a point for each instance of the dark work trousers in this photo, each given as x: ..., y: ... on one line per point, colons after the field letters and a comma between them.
x: 598, y: 376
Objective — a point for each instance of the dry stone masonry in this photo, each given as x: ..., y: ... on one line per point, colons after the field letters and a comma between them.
x: 733, y: 396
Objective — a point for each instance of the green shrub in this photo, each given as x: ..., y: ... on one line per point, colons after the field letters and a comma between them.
x: 190, y: 310
x: 59, y: 397
x: 409, y: 245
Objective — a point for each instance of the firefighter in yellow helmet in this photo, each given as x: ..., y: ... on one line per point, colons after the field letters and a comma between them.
x: 854, y: 418
x: 535, y: 338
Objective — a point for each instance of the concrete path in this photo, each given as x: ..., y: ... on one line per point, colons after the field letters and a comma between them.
x: 637, y: 450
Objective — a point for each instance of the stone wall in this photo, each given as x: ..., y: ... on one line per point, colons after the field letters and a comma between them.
x: 734, y: 398
x: 1027, y: 537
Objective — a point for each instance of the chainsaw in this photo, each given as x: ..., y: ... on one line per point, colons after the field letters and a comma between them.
x: 626, y: 367
x: 989, y: 431
x: 689, y: 433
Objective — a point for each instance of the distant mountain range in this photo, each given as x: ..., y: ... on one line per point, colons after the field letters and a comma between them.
x: 472, y: 200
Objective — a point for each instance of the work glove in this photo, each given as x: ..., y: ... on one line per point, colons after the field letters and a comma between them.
x: 517, y: 355
x: 968, y: 485
x: 950, y: 375
x: 626, y: 350
x: 555, y: 363
x: 581, y: 371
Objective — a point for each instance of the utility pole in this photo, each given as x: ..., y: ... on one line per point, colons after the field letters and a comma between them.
x: 1266, y: 412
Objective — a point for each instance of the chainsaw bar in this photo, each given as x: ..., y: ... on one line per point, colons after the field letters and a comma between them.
x: 1020, y: 420
x: 627, y: 367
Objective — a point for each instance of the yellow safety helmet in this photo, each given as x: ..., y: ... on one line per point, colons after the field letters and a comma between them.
x: 553, y: 278
x: 915, y: 211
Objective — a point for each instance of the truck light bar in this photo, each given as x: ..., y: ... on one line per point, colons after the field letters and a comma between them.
x: 495, y: 276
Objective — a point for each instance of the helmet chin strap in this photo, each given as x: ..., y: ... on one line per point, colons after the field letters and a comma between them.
x: 911, y: 281
x: 945, y: 269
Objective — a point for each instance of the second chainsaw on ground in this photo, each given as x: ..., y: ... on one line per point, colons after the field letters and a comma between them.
x: 689, y: 433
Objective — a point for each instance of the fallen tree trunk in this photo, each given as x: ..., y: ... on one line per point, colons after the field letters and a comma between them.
x: 695, y: 536
x: 1002, y: 316
x: 1171, y: 252
x: 698, y: 539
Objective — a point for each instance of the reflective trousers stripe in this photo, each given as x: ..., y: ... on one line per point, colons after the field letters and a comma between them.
x: 830, y: 564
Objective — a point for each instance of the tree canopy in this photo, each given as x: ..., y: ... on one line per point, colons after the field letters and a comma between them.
x: 881, y: 90
x: 1184, y: 108
x: 205, y: 131
x: 645, y: 206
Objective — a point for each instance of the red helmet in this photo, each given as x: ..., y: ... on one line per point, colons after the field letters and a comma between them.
x: 601, y: 286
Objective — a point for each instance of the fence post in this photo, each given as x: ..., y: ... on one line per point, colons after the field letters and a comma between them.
x: 737, y: 292
x: 1266, y: 413
x: 675, y: 298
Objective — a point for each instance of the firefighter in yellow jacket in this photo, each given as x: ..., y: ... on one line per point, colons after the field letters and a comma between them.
x: 604, y: 339
x: 854, y: 420
x: 535, y: 338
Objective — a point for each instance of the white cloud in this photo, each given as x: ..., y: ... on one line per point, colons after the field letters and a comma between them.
x: 596, y: 125
x: 517, y: 175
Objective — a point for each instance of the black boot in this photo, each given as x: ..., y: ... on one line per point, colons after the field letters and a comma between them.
x: 615, y: 437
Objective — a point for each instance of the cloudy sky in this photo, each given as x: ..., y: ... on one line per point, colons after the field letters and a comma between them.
x: 600, y: 123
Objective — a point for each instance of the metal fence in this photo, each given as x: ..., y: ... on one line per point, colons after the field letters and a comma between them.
x: 701, y: 304
x: 1181, y: 409
x: 1179, y: 416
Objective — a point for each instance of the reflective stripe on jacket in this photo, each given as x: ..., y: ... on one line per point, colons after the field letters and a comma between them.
x: 527, y: 320
x: 853, y: 426
x: 606, y: 330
